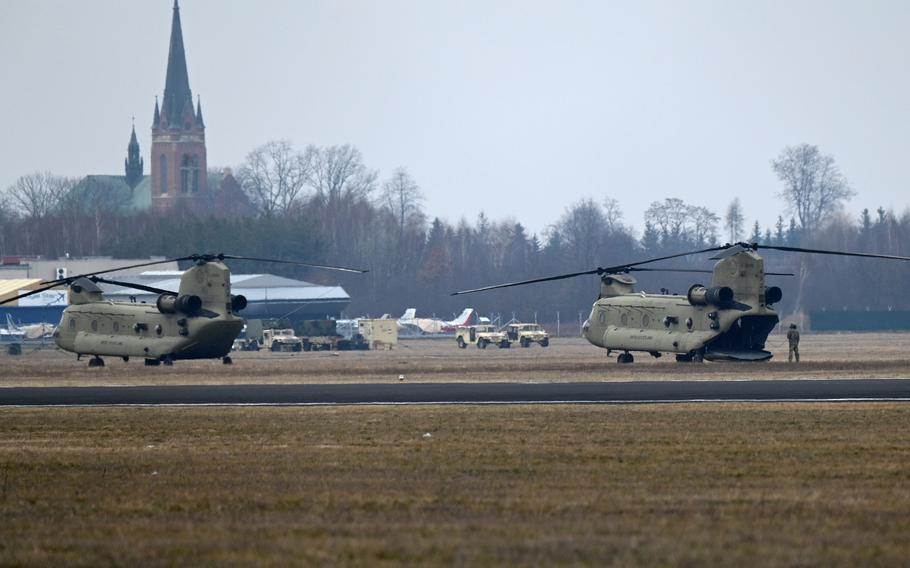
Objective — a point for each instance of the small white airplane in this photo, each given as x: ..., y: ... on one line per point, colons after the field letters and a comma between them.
x: 409, y: 323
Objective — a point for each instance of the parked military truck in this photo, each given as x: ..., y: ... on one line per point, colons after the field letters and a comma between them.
x: 481, y: 336
x: 327, y: 335
x: 527, y: 333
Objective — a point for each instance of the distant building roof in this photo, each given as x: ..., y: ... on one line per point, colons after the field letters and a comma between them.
x: 10, y: 288
x: 256, y: 287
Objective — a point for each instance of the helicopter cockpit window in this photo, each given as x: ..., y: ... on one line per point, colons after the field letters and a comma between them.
x: 72, y: 323
x: 602, y: 317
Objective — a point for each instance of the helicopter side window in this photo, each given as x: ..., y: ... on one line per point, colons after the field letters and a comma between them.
x: 116, y: 327
x: 624, y: 318
x: 689, y: 323
x: 72, y: 323
x: 158, y: 329
x: 645, y: 320
x: 94, y: 325
x: 602, y: 317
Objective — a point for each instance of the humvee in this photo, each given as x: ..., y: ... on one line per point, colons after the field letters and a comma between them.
x: 481, y: 335
x: 281, y: 340
x: 527, y: 333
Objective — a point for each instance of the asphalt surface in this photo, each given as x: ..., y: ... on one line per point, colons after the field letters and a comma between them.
x: 464, y: 393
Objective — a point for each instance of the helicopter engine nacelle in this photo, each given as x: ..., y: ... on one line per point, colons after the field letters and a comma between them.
x: 773, y: 294
x: 719, y: 296
x: 186, y: 304
x: 238, y: 302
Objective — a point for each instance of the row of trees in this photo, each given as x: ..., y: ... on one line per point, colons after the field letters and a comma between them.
x: 325, y: 205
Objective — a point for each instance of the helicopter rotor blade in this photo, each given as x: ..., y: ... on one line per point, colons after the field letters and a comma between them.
x: 833, y: 252
x: 69, y: 279
x: 142, y: 287
x: 297, y: 263
x: 694, y: 270
x: 600, y: 270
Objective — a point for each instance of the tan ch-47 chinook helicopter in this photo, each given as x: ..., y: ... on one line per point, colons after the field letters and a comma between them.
x: 729, y: 320
x: 199, y: 321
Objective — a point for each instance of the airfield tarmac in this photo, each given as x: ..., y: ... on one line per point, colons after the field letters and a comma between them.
x: 824, y: 356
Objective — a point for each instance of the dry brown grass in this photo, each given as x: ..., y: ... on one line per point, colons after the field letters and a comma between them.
x: 691, y: 485
x: 824, y: 356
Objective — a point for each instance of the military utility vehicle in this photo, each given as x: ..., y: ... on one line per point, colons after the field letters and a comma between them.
x: 281, y: 340
x: 481, y: 335
x: 527, y: 333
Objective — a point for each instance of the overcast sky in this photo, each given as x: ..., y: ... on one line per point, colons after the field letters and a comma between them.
x: 515, y: 108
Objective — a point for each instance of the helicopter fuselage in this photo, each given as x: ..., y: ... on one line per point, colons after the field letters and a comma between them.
x: 670, y: 324
x: 728, y: 321
x: 196, y: 323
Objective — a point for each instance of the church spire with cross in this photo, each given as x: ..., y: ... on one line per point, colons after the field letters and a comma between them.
x: 133, y: 165
x: 178, y: 134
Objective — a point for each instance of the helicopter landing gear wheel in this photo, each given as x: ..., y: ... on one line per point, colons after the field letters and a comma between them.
x: 698, y: 357
x: 168, y: 360
x: 152, y: 362
x: 625, y: 358
x: 96, y: 361
x: 227, y: 360
x: 683, y: 358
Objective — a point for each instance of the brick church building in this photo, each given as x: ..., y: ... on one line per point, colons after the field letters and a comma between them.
x: 180, y: 181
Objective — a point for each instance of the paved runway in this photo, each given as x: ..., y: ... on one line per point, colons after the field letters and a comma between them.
x: 465, y: 393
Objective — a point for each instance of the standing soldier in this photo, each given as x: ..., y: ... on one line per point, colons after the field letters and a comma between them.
x: 793, y: 340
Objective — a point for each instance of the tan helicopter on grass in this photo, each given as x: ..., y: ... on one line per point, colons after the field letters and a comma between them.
x: 199, y: 321
x: 728, y: 320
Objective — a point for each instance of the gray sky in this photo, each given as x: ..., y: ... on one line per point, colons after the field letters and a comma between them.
x: 516, y: 108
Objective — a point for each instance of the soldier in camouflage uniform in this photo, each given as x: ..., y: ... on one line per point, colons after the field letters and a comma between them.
x: 793, y: 340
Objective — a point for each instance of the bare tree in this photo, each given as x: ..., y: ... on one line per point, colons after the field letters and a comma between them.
x: 581, y: 227
x: 37, y: 195
x: 612, y: 213
x: 704, y: 225
x: 813, y: 184
x: 733, y: 220
x: 338, y: 173
x: 402, y: 197
x: 274, y: 175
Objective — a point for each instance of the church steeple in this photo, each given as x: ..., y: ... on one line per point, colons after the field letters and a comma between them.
x: 199, y: 122
x: 178, y: 157
x: 133, y: 164
x: 177, y: 106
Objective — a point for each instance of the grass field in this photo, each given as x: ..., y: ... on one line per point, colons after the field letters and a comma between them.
x: 679, y: 484
x: 691, y: 485
x: 567, y: 359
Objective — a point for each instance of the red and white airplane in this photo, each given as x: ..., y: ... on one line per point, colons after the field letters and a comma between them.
x: 410, y: 324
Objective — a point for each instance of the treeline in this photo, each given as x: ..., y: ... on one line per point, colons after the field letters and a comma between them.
x: 323, y: 205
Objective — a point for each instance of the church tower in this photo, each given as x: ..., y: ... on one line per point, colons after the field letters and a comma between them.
x: 133, y: 164
x: 178, y: 136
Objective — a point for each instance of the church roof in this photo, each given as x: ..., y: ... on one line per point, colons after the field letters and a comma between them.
x: 114, y: 191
